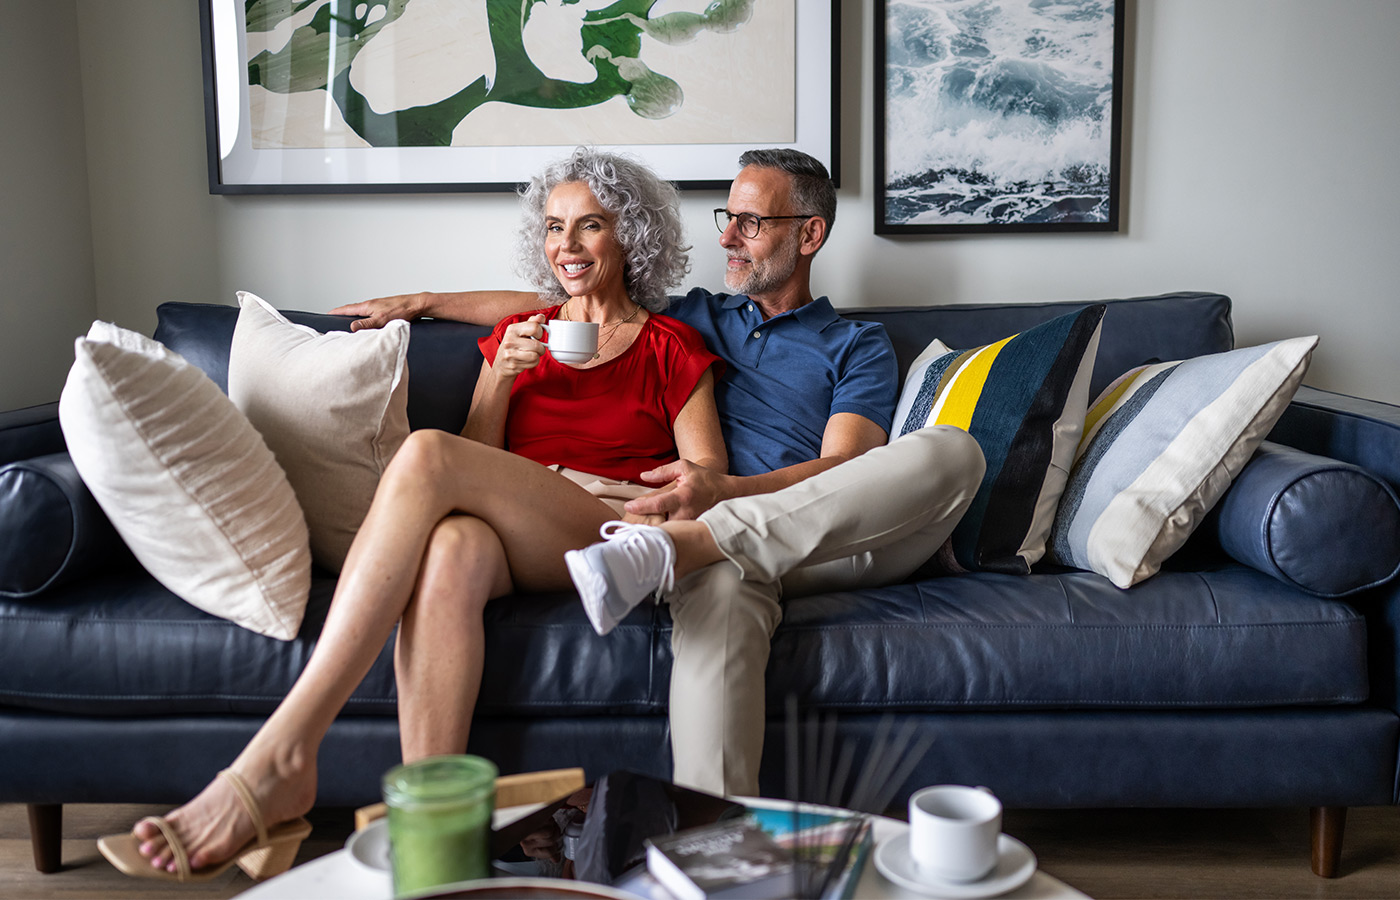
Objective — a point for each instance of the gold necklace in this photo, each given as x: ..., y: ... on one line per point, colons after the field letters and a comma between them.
x: 563, y: 314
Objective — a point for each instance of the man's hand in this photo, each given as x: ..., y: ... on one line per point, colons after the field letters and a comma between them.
x: 381, y: 311
x: 689, y: 489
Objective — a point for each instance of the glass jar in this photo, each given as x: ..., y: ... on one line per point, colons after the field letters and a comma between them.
x: 439, y: 821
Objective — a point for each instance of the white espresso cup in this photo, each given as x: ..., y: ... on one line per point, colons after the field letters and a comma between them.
x: 953, y: 831
x: 571, y: 342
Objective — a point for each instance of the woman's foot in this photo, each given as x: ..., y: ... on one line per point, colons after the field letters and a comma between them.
x: 215, y: 825
x: 631, y: 563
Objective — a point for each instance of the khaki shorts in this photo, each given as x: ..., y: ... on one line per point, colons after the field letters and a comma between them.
x: 611, y: 491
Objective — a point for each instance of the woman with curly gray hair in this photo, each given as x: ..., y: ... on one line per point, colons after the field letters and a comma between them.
x: 550, y: 452
x: 649, y: 230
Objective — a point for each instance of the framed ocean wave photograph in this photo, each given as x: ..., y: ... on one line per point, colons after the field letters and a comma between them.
x: 997, y: 115
x: 471, y: 95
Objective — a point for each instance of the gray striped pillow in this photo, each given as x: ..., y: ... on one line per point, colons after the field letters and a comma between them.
x: 1160, y: 445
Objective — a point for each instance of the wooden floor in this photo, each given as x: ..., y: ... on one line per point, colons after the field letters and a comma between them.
x: 1104, y: 853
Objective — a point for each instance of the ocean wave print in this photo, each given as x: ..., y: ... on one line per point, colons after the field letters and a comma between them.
x: 998, y: 111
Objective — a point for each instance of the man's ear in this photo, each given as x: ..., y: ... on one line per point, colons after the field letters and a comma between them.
x: 813, y: 234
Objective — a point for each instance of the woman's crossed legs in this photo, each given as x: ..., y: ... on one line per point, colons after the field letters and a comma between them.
x: 454, y: 523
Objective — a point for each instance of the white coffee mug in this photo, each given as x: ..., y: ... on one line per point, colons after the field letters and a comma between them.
x: 571, y: 342
x: 953, y: 831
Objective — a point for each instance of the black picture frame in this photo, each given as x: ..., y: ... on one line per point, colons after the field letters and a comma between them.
x: 994, y: 106
x: 236, y: 167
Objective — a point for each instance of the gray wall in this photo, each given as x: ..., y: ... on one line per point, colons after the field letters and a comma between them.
x: 45, y: 233
x: 1259, y: 163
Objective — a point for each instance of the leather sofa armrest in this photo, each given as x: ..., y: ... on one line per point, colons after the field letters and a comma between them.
x: 51, y: 528
x: 1349, y: 429
x: 32, y: 431
x: 1367, y: 433
x: 1381, y: 607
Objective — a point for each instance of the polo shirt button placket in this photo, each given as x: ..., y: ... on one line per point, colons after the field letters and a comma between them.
x: 756, y: 347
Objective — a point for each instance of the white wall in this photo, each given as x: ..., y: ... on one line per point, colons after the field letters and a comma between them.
x: 1259, y: 163
x: 155, y: 232
x: 46, y: 295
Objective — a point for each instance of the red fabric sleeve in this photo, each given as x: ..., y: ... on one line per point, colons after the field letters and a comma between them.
x: 687, y: 362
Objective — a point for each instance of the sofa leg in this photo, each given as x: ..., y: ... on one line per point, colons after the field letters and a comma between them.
x: 46, y: 834
x: 1328, y: 824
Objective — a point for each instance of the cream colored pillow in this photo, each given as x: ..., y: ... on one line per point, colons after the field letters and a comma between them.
x: 187, y: 482
x: 333, y: 408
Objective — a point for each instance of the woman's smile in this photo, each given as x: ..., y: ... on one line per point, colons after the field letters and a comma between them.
x: 581, y: 243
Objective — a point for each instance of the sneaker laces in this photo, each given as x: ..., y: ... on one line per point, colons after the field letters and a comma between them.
x: 638, y: 545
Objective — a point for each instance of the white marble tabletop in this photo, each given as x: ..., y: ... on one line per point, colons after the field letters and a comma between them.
x: 339, y: 876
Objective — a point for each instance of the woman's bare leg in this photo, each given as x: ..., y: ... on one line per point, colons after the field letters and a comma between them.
x: 537, y: 515
x: 442, y: 641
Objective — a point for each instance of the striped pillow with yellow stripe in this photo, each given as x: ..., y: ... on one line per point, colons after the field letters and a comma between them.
x: 1161, y: 444
x: 1023, y: 399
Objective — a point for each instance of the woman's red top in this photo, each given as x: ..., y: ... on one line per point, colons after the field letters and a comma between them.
x: 615, y: 419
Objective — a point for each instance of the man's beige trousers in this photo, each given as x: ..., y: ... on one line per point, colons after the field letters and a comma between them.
x: 868, y: 522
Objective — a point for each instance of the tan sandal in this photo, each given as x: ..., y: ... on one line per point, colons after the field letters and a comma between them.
x: 270, y: 853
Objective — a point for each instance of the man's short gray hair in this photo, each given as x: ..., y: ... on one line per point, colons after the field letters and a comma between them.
x: 648, y: 224
x: 812, y: 190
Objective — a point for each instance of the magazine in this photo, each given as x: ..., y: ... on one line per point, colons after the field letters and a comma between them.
x: 754, y: 856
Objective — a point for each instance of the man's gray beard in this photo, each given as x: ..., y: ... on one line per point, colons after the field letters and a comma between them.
x: 768, y: 275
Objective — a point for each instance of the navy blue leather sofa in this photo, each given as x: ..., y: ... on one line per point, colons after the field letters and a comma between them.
x: 1213, y: 684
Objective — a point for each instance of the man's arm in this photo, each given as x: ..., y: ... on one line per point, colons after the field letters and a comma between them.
x: 473, y: 307
x: 692, y: 489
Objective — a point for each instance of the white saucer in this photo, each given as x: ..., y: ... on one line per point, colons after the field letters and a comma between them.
x: 1015, y: 866
x: 370, y: 845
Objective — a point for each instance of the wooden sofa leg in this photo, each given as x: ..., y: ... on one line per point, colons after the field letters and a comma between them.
x: 1328, y: 825
x: 46, y: 834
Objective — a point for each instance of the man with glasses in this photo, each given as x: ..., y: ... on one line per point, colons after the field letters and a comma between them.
x: 814, y: 500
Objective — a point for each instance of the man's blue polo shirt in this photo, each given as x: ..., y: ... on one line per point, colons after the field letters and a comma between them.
x: 788, y: 375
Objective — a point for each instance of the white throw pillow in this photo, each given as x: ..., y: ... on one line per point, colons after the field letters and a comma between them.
x: 333, y: 407
x: 188, y: 483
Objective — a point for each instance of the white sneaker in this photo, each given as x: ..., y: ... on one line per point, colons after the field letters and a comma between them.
x: 632, y: 562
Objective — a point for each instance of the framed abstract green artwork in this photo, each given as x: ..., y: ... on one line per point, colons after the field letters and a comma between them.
x: 368, y: 96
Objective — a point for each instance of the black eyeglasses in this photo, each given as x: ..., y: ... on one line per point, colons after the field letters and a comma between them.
x: 749, y: 224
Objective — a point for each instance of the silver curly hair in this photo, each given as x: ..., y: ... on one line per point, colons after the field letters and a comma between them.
x: 648, y: 222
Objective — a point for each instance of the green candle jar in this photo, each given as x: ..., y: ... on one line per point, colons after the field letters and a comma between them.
x: 439, y: 821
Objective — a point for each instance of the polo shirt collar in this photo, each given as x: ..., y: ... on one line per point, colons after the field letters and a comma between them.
x: 816, y: 315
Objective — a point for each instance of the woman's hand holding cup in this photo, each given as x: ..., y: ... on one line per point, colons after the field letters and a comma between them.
x: 572, y: 343
x: 521, y: 347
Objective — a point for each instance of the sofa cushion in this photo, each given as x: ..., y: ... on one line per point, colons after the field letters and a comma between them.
x: 442, y: 355
x: 1232, y: 637
x: 1161, y: 444
x: 1136, y: 331
x: 190, y: 486
x: 1328, y: 527
x: 332, y: 407
x: 1023, y: 398
x: 51, y: 528
x: 1228, y: 637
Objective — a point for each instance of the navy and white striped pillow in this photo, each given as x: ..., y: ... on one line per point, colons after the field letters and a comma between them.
x: 1023, y: 399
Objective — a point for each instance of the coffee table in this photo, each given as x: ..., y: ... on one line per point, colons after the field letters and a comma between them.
x: 338, y: 876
